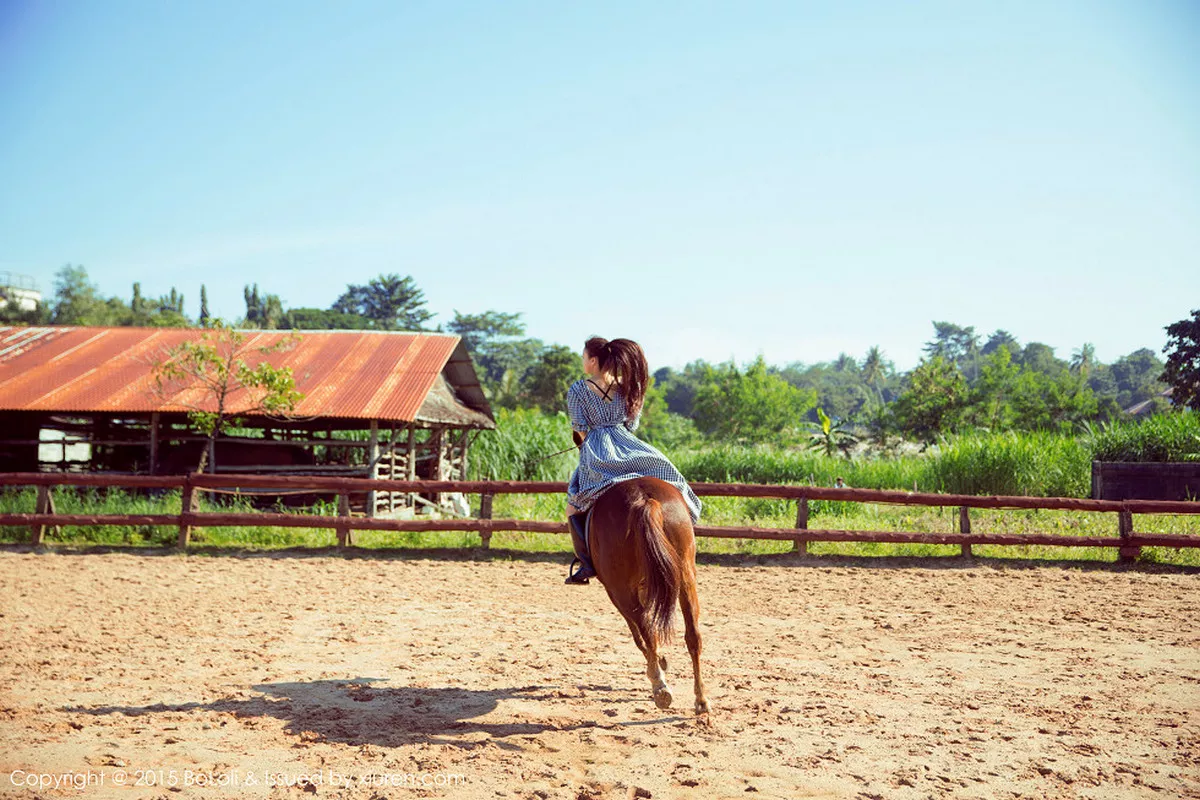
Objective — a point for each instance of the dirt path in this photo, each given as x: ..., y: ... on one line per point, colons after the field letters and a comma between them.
x: 460, y: 679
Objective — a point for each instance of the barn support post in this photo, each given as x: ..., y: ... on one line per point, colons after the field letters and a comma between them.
x: 186, y: 507
x: 372, y: 466
x: 1126, y: 553
x: 801, y: 524
x: 45, y: 505
x: 485, y: 512
x: 154, y: 443
x: 964, y: 526
x: 345, y: 537
x: 410, y: 472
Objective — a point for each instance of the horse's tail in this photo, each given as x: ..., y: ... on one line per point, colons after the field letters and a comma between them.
x: 662, y: 564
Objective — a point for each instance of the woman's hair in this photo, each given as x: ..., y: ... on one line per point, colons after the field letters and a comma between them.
x: 626, y: 360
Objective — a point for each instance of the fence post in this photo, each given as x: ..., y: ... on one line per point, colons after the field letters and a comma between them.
x: 801, y: 524
x: 485, y: 512
x: 344, y: 534
x: 45, y: 505
x: 1126, y: 553
x: 186, y: 506
x: 964, y: 526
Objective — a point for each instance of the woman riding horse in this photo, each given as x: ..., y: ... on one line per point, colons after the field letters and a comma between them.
x: 605, y: 408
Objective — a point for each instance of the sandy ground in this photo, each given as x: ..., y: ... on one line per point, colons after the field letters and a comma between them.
x: 366, y: 677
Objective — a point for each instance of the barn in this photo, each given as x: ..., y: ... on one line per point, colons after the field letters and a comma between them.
x: 376, y: 404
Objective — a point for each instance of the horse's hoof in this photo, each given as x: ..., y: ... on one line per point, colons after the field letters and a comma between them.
x: 701, y: 707
x: 663, y: 698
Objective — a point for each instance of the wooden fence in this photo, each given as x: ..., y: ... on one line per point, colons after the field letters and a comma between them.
x: 1127, y: 540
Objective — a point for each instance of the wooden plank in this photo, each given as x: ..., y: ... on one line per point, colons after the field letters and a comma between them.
x: 187, y: 507
x: 964, y: 526
x: 801, y: 545
x: 320, y: 483
x: 1127, y: 552
x: 485, y: 512
x: 344, y: 533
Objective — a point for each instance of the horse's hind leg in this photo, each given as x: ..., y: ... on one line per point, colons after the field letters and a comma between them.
x: 646, y: 642
x: 654, y: 671
x: 690, y: 603
x: 641, y: 643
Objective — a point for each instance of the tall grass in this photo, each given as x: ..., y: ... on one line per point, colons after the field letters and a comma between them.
x: 1036, y: 464
x: 1161, y: 437
x: 762, y: 464
x: 521, y: 448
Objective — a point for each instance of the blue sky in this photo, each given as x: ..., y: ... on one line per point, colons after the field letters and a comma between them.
x: 715, y: 180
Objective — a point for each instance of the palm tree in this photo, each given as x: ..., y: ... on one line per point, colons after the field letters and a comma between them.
x: 873, y: 369
x: 1083, y: 359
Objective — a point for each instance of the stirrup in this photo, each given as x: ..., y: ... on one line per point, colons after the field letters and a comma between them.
x: 579, y: 573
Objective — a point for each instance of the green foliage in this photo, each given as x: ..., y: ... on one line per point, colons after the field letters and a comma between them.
x: 933, y: 400
x: 551, y: 376
x: 662, y: 428
x: 214, y: 368
x: 522, y: 447
x: 1136, y: 378
x: 1160, y: 437
x: 750, y: 406
x: 320, y: 319
x: 956, y: 345
x: 263, y: 311
x: 1037, y: 464
x: 390, y: 302
x: 1182, y: 369
x: 829, y: 437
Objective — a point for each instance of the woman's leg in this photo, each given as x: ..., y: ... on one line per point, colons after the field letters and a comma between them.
x: 575, y: 519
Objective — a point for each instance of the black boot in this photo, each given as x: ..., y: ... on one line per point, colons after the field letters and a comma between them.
x: 580, y: 574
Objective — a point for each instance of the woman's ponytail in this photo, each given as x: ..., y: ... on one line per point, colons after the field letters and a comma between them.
x: 627, y: 361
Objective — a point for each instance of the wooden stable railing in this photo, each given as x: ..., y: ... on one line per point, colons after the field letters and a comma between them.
x: 1128, y: 542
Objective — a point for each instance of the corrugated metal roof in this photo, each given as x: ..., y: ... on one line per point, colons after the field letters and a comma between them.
x: 350, y: 374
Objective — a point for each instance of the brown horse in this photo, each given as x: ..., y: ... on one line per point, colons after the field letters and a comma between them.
x: 644, y: 550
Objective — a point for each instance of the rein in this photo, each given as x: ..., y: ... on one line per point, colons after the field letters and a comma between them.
x: 552, y: 455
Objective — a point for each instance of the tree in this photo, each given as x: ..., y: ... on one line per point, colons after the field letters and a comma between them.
x: 264, y: 311
x: 219, y: 372
x: 829, y: 437
x: 320, y: 319
x: 204, y: 315
x: 752, y: 405
x: 991, y: 397
x: 875, y: 370
x: 550, y: 378
x: 77, y: 301
x: 1137, y: 377
x: 491, y: 340
x: 933, y: 400
x: 1083, y: 360
x: 1040, y: 358
x: 390, y: 302
x: 956, y: 344
x: 1182, y: 371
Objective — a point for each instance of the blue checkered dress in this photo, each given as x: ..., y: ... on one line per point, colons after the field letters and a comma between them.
x: 611, y: 453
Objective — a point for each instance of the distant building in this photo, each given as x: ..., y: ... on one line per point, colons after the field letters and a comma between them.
x: 1149, y: 406
x: 19, y: 289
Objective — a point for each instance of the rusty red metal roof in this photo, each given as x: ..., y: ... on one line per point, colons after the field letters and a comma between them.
x: 351, y: 374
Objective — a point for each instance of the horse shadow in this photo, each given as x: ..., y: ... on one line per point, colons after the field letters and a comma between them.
x: 357, y: 712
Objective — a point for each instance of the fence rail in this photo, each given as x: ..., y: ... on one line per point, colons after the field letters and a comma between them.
x: 1127, y: 541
